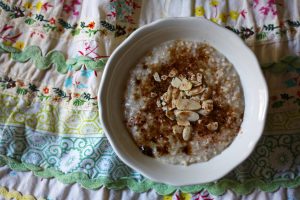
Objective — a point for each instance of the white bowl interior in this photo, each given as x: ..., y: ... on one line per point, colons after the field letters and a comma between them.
x: 136, y: 46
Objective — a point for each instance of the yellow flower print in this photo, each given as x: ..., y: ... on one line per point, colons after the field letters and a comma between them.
x: 186, y: 196
x: 38, y: 6
x: 214, y: 3
x: 19, y: 45
x: 183, y: 196
x: 199, y: 11
x: 223, y: 17
x: 234, y: 15
x: 215, y: 20
x: 168, y: 197
x: 28, y: 5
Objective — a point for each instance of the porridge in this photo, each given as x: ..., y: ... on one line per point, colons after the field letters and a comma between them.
x: 183, y: 103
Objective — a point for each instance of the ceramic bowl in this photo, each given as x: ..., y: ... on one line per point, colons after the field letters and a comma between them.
x: 114, y: 82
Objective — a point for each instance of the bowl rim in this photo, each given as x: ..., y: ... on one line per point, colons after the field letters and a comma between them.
x: 105, y: 80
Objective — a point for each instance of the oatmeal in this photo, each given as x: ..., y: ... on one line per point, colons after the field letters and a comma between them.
x: 183, y: 103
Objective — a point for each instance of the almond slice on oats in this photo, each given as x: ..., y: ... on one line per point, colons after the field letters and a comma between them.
x: 199, y: 78
x: 186, y: 116
x: 196, y: 98
x: 185, y: 85
x: 187, y: 104
x: 208, y: 105
x: 186, y: 133
x: 195, y: 91
x: 177, y: 129
x: 175, y: 93
x: 176, y: 82
x: 195, y: 83
x: 167, y: 95
x: 212, y: 126
x: 183, y: 123
x: 173, y: 73
x: 156, y: 77
x: 173, y: 104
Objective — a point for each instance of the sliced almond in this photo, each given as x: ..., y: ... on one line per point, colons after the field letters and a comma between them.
x: 170, y: 115
x: 186, y: 133
x: 186, y: 116
x: 187, y: 104
x: 177, y: 129
x: 185, y: 84
x: 164, y: 77
x: 166, y: 97
x: 203, y: 112
x: 172, y: 105
x: 208, y: 105
x: 176, y: 82
x: 195, y: 91
x: 181, y: 76
x: 182, y: 95
x: 183, y: 123
x: 156, y: 77
x: 195, y: 83
x: 193, y: 77
x: 196, y: 98
x: 199, y: 78
x: 173, y: 73
x: 212, y: 126
x: 206, y: 94
x: 175, y: 93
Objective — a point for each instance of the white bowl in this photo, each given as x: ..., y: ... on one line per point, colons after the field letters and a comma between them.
x: 114, y: 81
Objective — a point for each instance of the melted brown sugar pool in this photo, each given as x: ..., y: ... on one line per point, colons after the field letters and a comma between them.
x: 182, y: 105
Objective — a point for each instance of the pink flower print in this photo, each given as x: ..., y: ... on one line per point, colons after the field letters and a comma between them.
x: 46, y: 5
x: 256, y: 2
x: 264, y: 10
x: 271, y: 3
x: 52, y: 21
x: 243, y: 13
x: 274, y: 11
x: 67, y: 8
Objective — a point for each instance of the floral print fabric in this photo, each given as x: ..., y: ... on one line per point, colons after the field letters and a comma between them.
x: 52, y: 55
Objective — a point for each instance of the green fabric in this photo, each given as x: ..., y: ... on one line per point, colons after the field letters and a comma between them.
x: 55, y: 58
x: 217, y: 188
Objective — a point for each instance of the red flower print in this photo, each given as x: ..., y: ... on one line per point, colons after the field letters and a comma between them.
x: 264, y: 10
x: 46, y: 6
x: 243, y: 13
x: 46, y: 90
x: 52, y: 21
x: 91, y: 25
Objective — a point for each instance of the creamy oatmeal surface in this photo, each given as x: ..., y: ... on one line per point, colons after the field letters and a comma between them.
x: 183, y: 103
